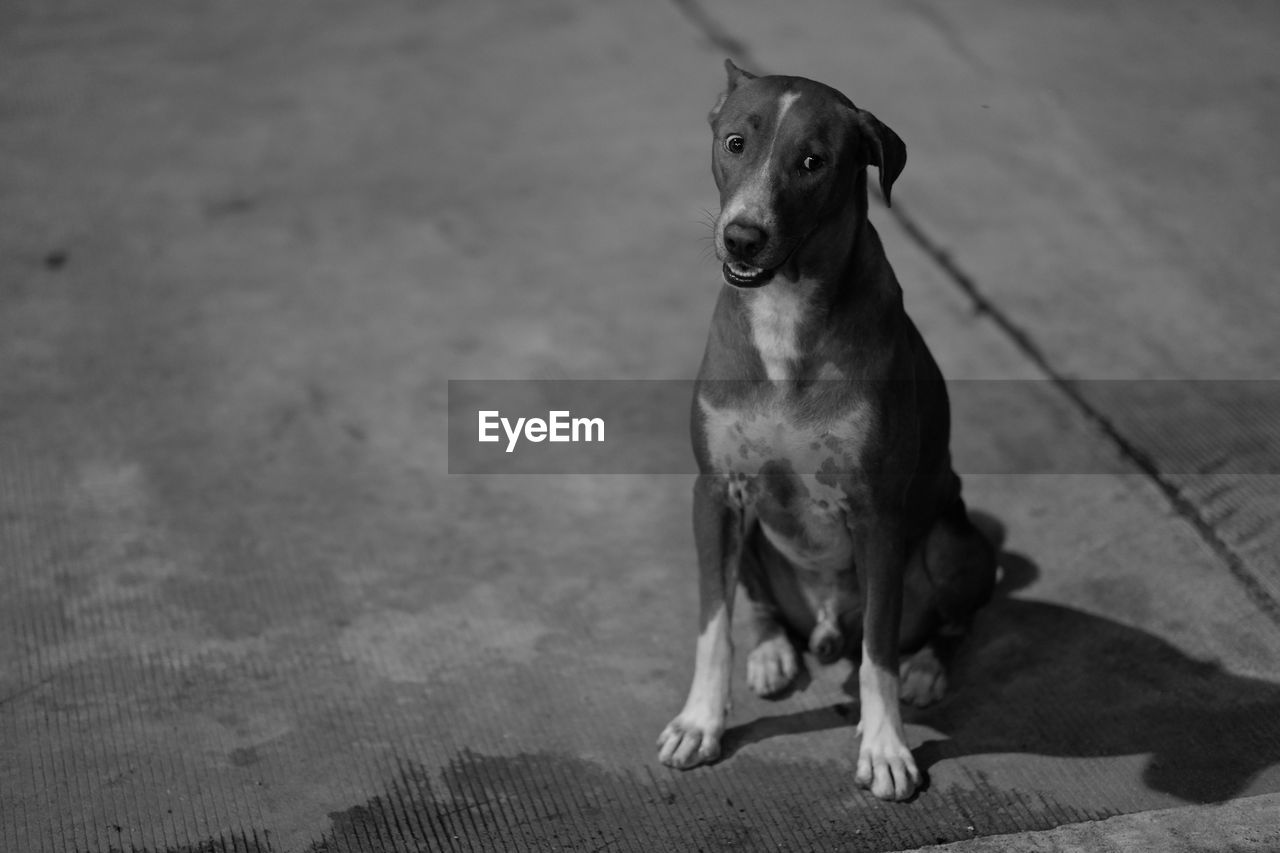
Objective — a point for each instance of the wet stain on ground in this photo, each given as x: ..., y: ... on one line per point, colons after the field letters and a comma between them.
x: 544, y: 800
x: 244, y: 756
x: 238, y: 843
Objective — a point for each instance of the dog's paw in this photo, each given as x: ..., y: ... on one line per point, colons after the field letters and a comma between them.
x: 772, y: 666
x: 690, y: 739
x: 923, y: 678
x: 886, y: 767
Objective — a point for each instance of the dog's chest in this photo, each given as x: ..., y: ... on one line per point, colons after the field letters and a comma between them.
x: 793, y: 471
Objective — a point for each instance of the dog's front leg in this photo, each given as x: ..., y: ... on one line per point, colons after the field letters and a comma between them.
x: 885, y: 765
x: 719, y: 527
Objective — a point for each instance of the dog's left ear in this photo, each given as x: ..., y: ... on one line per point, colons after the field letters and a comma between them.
x: 737, y: 76
x: 884, y: 149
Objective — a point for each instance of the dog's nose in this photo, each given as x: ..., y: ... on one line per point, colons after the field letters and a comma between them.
x: 743, y: 240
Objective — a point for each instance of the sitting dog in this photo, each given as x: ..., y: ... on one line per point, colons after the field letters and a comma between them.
x: 821, y: 429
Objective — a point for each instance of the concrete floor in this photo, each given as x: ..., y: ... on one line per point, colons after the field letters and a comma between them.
x: 245, y: 606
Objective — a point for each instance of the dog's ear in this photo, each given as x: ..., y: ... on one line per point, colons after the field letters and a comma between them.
x: 884, y: 149
x: 737, y: 77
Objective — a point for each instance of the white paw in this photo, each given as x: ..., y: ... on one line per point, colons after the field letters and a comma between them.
x: 691, y: 739
x: 887, y: 767
x: 772, y: 666
x: 923, y: 678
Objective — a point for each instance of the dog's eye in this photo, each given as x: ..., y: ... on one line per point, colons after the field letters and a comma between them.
x: 733, y: 143
x: 812, y: 163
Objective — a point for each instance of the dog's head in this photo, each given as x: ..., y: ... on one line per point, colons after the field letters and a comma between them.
x: 787, y: 155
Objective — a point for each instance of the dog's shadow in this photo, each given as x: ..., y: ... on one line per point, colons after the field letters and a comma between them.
x: 1040, y: 678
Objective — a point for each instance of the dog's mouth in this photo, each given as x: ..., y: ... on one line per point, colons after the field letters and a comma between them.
x: 739, y: 274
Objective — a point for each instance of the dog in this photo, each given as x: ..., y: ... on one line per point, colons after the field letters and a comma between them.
x: 820, y: 424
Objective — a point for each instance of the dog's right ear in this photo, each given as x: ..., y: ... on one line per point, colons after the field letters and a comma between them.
x: 737, y: 77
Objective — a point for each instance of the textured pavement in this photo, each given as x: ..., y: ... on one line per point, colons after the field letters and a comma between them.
x: 245, y: 607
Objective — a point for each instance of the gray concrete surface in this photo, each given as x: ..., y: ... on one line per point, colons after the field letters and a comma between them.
x: 1249, y: 824
x: 244, y: 605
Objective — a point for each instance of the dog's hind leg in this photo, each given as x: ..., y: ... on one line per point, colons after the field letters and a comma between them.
x: 923, y: 677
x: 949, y: 576
x: 773, y: 664
x: 959, y: 564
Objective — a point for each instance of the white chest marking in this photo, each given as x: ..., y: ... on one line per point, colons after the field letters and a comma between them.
x: 776, y: 312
